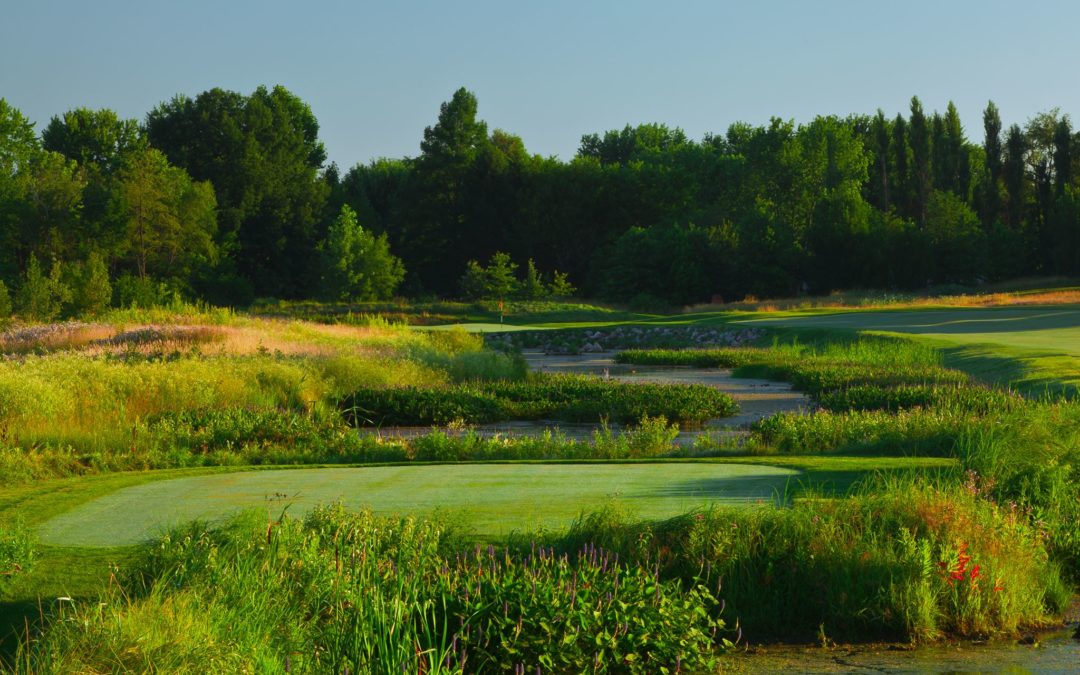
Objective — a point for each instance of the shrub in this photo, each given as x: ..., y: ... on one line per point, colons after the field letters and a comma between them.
x: 41, y: 297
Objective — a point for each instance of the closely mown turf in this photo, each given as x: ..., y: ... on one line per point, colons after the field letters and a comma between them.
x: 492, y: 499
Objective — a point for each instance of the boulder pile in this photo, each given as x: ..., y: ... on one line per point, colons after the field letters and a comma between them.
x: 594, y: 341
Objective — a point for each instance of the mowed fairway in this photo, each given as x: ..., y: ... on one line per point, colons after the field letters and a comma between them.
x: 490, y: 499
x: 1045, y: 340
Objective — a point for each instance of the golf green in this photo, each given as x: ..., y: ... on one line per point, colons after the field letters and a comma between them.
x: 1045, y: 329
x: 491, y: 499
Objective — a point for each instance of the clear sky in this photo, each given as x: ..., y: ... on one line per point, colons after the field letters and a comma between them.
x: 375, y: 72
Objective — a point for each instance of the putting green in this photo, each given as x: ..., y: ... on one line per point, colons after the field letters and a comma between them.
x: 492, y: 499
x: 1040, y: 328
x: 1028, y: 347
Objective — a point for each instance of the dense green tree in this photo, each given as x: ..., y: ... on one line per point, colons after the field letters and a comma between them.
x: 532, y: 286
x: 91, y: 288
x: 561, y: 286
x: 882, y: 139
x: 956, y: 238
x: 921, y: 169
x: 170, y: 219
x: 900, y: 151
x: 1063, y: 156
x: 437, y: 221
x: 991, y: 199
x: 1013, y: 173
x: 665, y: 264
x: 52, y: 213
x: 41, y: 297
x: 495, y: 281
x: 262, y: 155
x: 5, y: 305
x: 93, y: 137
x: 357, y: 265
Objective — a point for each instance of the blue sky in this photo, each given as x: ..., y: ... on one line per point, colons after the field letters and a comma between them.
x: 375, y: 73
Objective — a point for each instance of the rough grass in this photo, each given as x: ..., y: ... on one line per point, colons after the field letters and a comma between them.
x: 96, y: 398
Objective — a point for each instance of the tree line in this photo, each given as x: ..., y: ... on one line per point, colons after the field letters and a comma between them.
x: 227, y: 197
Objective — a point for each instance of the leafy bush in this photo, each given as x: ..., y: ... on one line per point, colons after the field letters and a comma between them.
x: 41, y: 297
x: 356, y: 264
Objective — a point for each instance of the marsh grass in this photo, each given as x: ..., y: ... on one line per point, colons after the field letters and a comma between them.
x: 880, y: 564
x: 95, y: 396
x: 356, y: 593
x: 567, y: 398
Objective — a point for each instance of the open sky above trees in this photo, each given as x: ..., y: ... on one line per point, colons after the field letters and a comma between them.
x: 551, y: 71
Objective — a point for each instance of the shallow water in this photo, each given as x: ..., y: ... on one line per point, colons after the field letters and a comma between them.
x: 1057, y: 652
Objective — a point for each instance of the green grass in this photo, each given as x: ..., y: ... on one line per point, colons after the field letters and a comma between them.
x: 1034, y: 349
x: 491, y: 499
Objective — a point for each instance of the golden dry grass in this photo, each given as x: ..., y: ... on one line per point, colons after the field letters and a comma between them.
x: 848, y: 300
x: 256, y: 336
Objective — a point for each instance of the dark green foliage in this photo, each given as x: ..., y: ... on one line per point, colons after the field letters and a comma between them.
x: 262, y: 435
x: 5, y: 304
x: 532, y: 286
x: 262, y: 154
x: 93, y: 137
x: 357, y: 265
x: 564, y: 397
x: 496, y: 281
x: 92, y: 288
x: 41, y: 297
x: 669, y: 263
x: 242, y: 205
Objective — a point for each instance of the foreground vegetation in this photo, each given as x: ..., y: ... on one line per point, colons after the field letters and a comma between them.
x: 980, y: 542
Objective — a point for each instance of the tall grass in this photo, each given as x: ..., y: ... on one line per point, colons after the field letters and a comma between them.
x: 17, y: 551
x: 900, y: 560
x: 95, y: 403
x: 357, y: 593
x: 569, y: 398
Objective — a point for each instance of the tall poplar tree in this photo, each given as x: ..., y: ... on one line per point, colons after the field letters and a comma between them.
x: 992, y: 150
x: 921, y: 159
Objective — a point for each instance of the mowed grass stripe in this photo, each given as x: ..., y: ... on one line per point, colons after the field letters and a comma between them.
x: 489, y: 499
